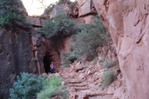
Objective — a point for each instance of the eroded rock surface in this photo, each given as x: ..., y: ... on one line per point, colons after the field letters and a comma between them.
x: 128, y: 22
x: 15, y: 57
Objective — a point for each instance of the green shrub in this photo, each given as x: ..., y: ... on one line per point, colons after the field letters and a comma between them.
x: 60, y: 26
x: 60, y: 93
x: 54, y: 81
x: 10, y: 14
x: 72, y: 57
x: 108, y: 63
x: 49, y: 29
x: 64, y: 59
x: 71, y: 47
x: 50, y: 86
x: 89, y: 39
x: 26, y: 86
x: 108, y: 78
x: 67, y: 58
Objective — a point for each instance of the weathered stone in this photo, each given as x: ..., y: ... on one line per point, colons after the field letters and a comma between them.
x: 34, y: 20
x: 89, y: 19
x: 84, y: 7
x: 128, y: 22
x: 15, y: 57
x: 60, y: 9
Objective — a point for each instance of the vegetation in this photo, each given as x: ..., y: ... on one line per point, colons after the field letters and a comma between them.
x: 30, y: 86
x: 26, y: 86
x: 108, y: 78
x: 89, y: 39
x: 108, y: 63
x: 60, y: 26
x: 10, y: 15
x: 50, y: 86
x: 48, y: 9
x: 67, y: 58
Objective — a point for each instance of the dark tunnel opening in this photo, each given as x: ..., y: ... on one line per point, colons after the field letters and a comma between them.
x: 47, y: 61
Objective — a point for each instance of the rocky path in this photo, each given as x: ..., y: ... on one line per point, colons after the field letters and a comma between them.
x: 84, y: 82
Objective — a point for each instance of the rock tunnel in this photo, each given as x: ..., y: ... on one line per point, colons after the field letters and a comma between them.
x: 47, y: 59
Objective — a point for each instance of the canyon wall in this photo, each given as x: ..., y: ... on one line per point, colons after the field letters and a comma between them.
x: 15, y: 51
x: 128, y: 24
x: 15, y: 57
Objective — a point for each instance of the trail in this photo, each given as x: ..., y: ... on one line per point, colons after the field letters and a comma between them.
x: 84, y: 82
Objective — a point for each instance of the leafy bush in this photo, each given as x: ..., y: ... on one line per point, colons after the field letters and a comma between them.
x: 64, y: 59
x: 60, y: 94
x: 49, y: 29
x: 108, y: 63
x: 67, y: 58
x: 60, y: 26
x: 26, y: 86
x: 108, y: 78
x: 10, y: 14
x: 72, y: 57
x: 50, y: 86
x: 90, y: 38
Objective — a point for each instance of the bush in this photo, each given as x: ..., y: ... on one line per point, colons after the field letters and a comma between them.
x: 49, y: 29
x: 60, y: 93
x: 108, y: 78
x: 60, y: 26
x: 108, y: 63
x: 50, y: 86
x: 72, y: 57
x: 89, y: 39
x: 26, y: 86
x: 64, y: 59
x: 67, y: 58
x: 10, y: 14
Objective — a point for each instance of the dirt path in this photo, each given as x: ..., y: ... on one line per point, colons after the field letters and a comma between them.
x: 84, y: 82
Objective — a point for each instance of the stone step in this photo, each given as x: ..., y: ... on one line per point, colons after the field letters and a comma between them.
x: 77, y: 84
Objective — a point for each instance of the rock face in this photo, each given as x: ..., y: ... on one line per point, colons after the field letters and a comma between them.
x: 36, y: 22
x: 15, y: 57
x: 128, y: 22
x: 15, y: 51
x: 61, y: 9
x: 87, y: 11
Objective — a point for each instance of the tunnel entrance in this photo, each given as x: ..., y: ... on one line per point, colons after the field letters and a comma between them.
x: 47, y: 61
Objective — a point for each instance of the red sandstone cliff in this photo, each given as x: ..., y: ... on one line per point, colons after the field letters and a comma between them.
x: 128, y: 22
